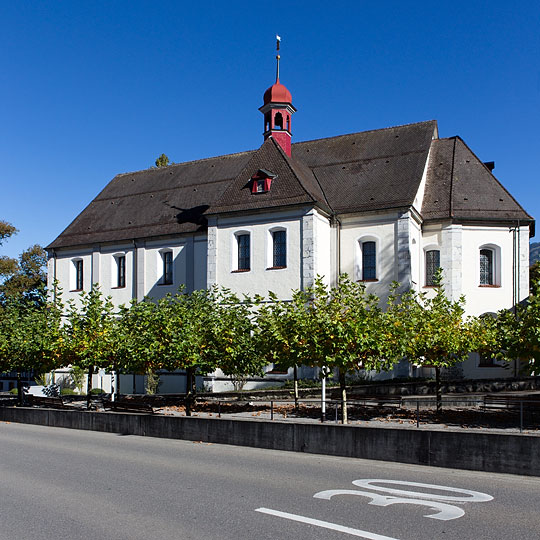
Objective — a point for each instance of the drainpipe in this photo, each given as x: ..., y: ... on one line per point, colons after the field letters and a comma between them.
x: 335, y: 221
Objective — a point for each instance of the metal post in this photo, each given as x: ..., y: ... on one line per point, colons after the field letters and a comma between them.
x: 521, y: 416
x: 336, y: 413
x: 271, y: 410
x: 323, y: 397
x: 417, y: 413
x: 219, y: 409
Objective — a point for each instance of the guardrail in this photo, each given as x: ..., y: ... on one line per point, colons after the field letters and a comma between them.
x: 330, y: 409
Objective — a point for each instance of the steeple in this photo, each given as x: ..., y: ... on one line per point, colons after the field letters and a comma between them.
x: 277, y: 110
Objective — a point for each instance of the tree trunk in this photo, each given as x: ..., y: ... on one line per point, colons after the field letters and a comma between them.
x: 344, y: 419
x: 296, y: 389
x: 438, y: 389
x: 190, y: 390
x: 89, y: 386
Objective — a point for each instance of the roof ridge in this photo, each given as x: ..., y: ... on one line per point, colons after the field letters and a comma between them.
x: 150, y: 169
x: 367, y: 131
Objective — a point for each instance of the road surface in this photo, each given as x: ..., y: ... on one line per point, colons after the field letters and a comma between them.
x: 68, y: 484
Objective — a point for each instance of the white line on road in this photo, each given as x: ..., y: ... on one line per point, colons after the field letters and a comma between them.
x: 325, y: 524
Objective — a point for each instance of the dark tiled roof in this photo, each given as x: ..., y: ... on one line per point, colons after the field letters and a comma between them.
x: 372, y: 169
x: 364, y: 171
x: 294, y: 183
x: 153, y: 202
x: 460, y: 187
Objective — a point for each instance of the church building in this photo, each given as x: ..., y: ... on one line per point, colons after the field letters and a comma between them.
x: 392, y: 204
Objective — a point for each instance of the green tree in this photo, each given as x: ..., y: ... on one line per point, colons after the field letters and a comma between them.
x: 91, y: 337
x: 25, y: 277
x: 339, y: 328
x: 6, y: 230
x: 519, y: 331
x: 162, y: 161
x: 30, y: 336
x: 437, y: 333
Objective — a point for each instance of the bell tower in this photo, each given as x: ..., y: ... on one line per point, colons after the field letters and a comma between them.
x: 278, y: 110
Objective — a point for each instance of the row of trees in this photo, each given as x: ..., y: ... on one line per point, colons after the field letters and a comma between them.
x: 340, y: 330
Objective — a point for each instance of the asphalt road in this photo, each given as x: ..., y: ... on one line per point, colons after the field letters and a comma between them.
x: 67, y: 484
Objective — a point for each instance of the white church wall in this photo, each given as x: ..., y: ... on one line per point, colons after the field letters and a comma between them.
x: 324, y: 260
x: 108, y: 282
x: 415, y: 246
x: 155, y: 251
x: 381, y: 229
x: 491, y: 298
x: 261, y: 276
x: 62, y: 268
x: 200, y: 257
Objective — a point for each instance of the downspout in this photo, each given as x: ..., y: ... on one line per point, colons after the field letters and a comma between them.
x: 335, y: 221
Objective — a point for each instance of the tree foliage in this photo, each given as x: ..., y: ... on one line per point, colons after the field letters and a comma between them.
x: 6, y: 230
x: 340, y: 328
x: 24, y: 276
x: 519, y: 331
x: 437, y: 333
x: 162, y: 161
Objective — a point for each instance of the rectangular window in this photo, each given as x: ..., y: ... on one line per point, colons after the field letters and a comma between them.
x: 121, y: 271
x: 167, y: 268
x: 279, y: 258
x: 486, y: 267
x: 78, y: 275
x: 433, y: 263
x: 369, y: 261
x: 243, y: 252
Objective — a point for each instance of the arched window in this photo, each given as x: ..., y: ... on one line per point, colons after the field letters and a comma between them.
x: 486, y: 267
x: 278, y: 121
x: 433, y: 263
x: 78, y: 275
x: 167, y: 260
x: 369, y: 260
x: 244, y: 255
x: 120, y: 271
x: 279, y: 249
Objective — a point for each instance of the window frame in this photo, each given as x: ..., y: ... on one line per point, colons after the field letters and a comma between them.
x: 495, y: 269
x: 487, y: 278
x: 167, y: 260
x: 428, y: 276
x: 120, y: 260
x: 78, y: 275
x: 372, y: 268
x: 241, y: 262
x: 272, y: 255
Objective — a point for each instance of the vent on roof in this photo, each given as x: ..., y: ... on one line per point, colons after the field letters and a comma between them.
x: 490, y: 165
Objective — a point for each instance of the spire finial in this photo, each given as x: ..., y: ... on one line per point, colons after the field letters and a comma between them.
x: 278, y: 40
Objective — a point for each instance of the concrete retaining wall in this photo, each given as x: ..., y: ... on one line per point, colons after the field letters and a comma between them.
x: 514, y: 454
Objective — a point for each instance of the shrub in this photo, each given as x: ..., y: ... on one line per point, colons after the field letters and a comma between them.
x: 68, y: 392
x: 97, y: 391
x: 13, y: 391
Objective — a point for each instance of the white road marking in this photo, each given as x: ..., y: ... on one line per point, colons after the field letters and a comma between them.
x: 446, y: 511
x: 473, y: 496
x: 325, y: 524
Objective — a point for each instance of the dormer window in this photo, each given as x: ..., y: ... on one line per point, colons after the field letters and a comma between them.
x: 259, y: 186
x: 261, y: 181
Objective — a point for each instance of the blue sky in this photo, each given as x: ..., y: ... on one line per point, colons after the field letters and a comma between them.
x: 92, y: 89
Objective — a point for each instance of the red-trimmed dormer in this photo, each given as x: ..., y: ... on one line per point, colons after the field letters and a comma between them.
x: 261, y: 181
x: 277, y: 110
